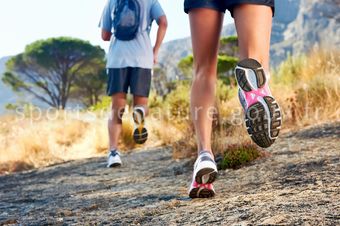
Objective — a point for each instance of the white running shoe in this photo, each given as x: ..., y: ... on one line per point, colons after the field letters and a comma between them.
x: 114, y: 159
x: 205, y: 173
x: 205, y: 169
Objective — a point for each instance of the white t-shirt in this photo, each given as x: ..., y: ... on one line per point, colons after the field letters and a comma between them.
x: 137, y: 52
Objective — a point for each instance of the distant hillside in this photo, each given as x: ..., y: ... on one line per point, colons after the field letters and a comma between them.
x: 7, y: 95
x: 298, y: 26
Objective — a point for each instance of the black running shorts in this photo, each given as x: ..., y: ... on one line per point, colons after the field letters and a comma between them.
x: 121, y: 79
x: 223, y: 5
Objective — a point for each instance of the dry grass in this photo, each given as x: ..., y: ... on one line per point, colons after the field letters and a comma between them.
x: 66, y: 136
x: 26, y: 144
x: 126, y: 139
x: 307, y: 88
x: 309, y: 91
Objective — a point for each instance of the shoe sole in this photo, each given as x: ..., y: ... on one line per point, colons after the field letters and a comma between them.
x: 263, y: 119
x: 140, y: 134
x: 201, y: 193
x: 206, y: 176
x: 114, y: 165
x: 206, y: 172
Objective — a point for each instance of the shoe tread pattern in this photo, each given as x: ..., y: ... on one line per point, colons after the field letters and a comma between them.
x: 212, y: 175
x: 140, y: 136
x: 257, y: 122
x: 204, y: 193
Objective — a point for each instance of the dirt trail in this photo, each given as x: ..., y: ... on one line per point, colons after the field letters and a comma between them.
x: 297, y: 184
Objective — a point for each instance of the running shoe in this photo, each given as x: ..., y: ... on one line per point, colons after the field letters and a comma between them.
x: 140, y: 133
x: 114, y: 159
x: 205, y: 173
x: 262, y: 112
x: 205, y: 169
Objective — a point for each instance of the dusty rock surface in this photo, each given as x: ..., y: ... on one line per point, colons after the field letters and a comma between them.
x: 297, y: 184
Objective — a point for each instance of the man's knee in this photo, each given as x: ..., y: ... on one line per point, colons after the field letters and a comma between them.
x: 117, y: 115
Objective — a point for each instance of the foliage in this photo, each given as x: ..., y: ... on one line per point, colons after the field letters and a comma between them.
x: 103, y: 104
x: 227, y: 59
x: 309, y: 87
x: 178, y: 101
x: 229, y: 39
x: 48, y: 69
x: 89, y: 84
x: 237, y: 156
x: 289, y: 72
x: 229, y: 46
x: 226, y: 64
x: 11, y: 107
x: 185, y: 65
x: 155, y: 101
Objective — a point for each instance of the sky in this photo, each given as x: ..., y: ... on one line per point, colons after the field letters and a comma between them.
x: 25, y: 21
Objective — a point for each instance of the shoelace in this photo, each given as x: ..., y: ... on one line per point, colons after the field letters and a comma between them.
x: 114, y: 153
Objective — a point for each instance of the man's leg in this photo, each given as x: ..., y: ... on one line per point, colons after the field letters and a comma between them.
x: 140, y: 84
x: 115, y: 121
x: 205, y: 32
x: 253, y: 25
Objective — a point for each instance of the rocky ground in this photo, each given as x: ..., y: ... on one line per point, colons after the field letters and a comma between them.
x: 297, y: 184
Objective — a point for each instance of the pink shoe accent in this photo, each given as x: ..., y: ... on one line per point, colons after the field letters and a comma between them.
x: 206, y: 186
x: 252, y: 96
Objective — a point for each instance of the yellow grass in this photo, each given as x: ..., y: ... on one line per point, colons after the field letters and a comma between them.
x: 309, y: 92
x: 307, y: 89
x: 27, y: 144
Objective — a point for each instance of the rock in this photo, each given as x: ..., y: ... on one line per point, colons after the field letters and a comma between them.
x: 274, y: 220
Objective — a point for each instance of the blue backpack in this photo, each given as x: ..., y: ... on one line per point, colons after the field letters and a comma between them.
x: 126, y: 19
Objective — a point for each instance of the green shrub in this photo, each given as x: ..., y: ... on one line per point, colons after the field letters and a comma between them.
x: 185, y: 65
x: 290, y: 71
x: 178, y: 101
x: 104, y: 104
x: 229, y: 39
x: 237, y: 156
x: 226, y: 63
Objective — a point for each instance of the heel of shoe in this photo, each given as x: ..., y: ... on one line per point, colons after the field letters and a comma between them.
x: 250, y: 75
x: 138, y: 116
x: 207, y: 173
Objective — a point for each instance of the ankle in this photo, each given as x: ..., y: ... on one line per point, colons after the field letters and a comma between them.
x: 113, y: 149
x: 207, y: 151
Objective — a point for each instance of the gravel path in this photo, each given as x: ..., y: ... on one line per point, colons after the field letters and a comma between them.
x: 298, y: 184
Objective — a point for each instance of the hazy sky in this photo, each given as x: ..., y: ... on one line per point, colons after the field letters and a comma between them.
x: 25, y: 21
